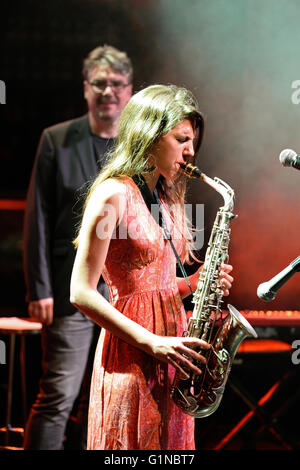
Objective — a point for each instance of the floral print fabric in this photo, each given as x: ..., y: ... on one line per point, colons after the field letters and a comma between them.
x: 130, y: 404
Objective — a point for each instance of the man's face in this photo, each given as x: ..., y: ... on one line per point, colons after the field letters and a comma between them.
x: 106, y: 103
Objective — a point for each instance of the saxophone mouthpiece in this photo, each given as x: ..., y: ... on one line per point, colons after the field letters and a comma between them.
x: 191, y: 171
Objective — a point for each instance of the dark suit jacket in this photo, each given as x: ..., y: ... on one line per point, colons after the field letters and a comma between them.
x: 64, y: 163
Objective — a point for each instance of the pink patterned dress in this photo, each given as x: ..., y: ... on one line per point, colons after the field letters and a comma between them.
x: 130, y: 404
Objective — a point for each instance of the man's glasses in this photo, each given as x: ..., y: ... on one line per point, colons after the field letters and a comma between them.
x: 99, y: 86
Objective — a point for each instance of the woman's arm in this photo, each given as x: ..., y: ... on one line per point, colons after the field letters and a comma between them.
x: 105, y: 209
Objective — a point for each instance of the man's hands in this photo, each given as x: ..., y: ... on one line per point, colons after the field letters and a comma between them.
x: 42, y: 310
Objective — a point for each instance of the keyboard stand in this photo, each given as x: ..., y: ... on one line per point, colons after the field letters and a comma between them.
x: 269, y: 421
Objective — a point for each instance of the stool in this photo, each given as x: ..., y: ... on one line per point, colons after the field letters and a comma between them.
x: 13, y: 326
x: 258, y: 346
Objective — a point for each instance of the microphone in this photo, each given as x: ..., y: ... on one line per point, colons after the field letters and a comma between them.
x: 289, y: 157
x: 268, y: 290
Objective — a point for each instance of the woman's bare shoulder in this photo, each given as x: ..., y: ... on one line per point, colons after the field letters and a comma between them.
x: 107, y: 195
x: 110, y: 189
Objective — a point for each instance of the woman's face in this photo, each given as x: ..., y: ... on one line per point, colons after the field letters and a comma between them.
x: 174, y: 148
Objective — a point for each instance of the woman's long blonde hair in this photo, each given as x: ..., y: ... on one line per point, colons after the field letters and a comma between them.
x: 149, y: 114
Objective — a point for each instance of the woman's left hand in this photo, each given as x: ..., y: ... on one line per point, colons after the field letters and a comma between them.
x: 225, y: 280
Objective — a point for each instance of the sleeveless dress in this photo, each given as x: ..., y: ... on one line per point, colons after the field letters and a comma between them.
x: 130, y: 405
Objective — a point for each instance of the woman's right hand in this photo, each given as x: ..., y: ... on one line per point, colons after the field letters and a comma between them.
x: 179, y: 352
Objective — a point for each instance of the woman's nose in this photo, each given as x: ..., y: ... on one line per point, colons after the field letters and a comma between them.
x: 189, y: 149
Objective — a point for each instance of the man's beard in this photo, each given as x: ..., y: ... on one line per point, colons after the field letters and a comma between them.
x: 102, y: 115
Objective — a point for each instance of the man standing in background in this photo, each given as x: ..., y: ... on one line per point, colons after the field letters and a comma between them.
x: 69, y: 156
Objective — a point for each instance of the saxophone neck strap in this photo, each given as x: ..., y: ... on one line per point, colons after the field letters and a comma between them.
x: 168, y: 237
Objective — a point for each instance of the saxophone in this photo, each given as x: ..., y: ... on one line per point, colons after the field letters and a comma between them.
x: 200, y: 395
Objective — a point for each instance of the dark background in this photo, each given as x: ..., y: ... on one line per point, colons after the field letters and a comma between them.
x: 239, y: 57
